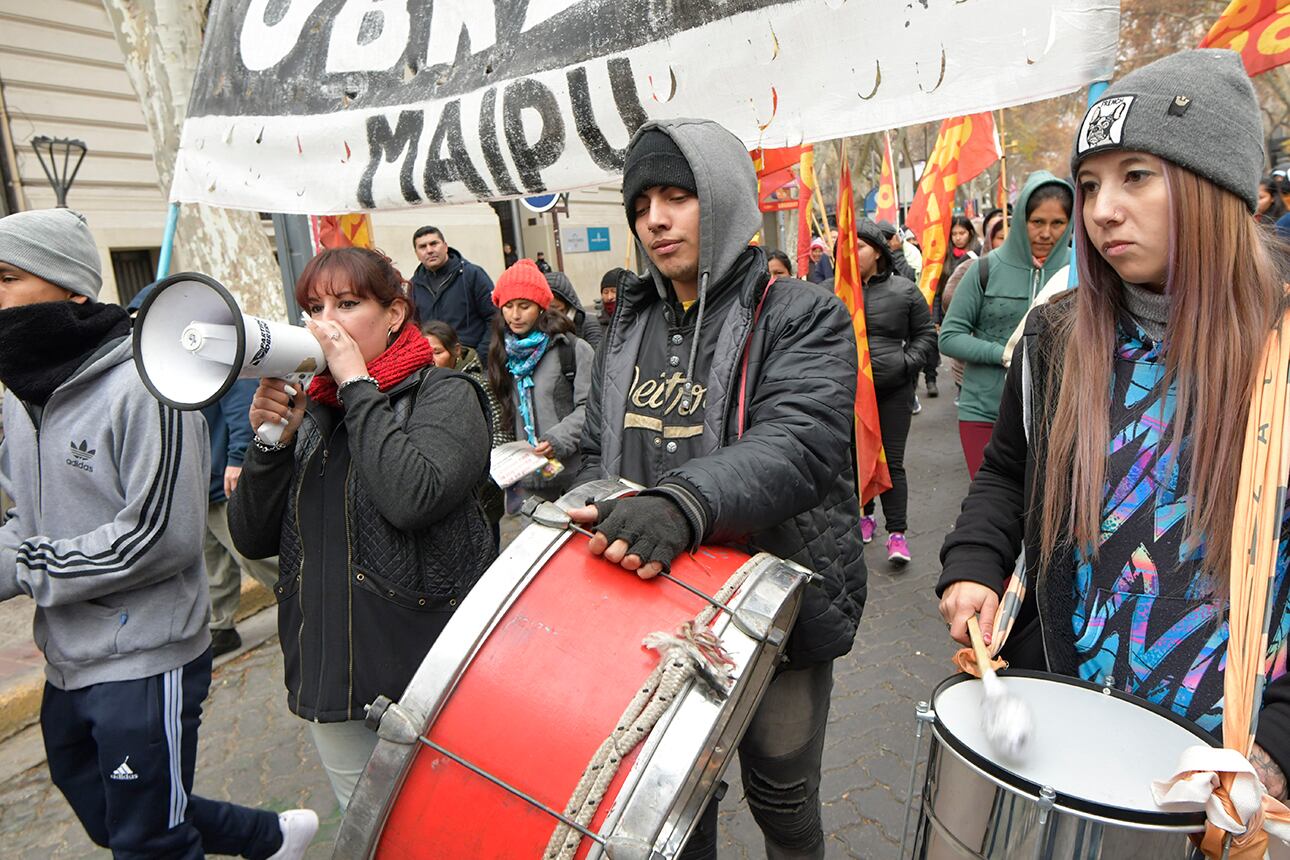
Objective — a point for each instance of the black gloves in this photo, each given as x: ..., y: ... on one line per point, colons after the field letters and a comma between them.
x: 652, y: 525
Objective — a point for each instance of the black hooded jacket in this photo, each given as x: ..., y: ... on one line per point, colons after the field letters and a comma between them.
x: 786, y: 485
x: 901, y: 334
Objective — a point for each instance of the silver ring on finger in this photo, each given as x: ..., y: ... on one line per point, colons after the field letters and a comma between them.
x: 334, y: 335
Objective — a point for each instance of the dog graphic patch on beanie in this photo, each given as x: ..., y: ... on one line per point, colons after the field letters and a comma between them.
x: 1104, y: 125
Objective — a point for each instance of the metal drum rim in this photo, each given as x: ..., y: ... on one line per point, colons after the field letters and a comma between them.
x: 720, y: 754
x: 1081, y: 807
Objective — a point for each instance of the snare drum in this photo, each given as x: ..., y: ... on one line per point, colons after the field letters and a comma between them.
x: 528, y: 679
x: 1081, y: 789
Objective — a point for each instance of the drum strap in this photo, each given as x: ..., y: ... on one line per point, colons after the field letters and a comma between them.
x: 692, y: 650
x: 1239, y: 813
x: 743, y: 366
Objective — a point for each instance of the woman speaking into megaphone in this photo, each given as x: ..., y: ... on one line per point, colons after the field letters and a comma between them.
x: 368, y: 500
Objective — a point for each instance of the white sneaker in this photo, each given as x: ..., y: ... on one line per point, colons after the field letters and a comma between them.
x: 299, y: 827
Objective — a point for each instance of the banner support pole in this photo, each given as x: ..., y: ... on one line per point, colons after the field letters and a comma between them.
x: 168, y: 242
x: 1095, y: 92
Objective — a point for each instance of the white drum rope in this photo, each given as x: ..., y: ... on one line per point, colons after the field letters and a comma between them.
x: 692, y: 649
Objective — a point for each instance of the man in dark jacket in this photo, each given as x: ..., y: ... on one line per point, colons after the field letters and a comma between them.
x: 451, y: 289
x: 899, y: 264
x: 229, y: 427
x: 778, y: 477
x: 609, y: 296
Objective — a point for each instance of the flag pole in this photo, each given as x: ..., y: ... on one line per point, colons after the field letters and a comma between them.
x: 1003, y: 171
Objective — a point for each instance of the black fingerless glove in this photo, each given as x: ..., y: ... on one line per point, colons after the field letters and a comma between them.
x: 652, y: 525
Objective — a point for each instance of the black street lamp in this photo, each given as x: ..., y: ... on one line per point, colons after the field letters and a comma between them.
x: 55, y: 156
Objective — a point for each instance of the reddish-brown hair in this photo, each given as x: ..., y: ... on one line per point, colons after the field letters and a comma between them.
x: 369, y: 274
x: 1226, y: 296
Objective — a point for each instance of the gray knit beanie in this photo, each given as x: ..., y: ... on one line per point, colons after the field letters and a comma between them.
x: 54, y: 245
x: 1196, y: 109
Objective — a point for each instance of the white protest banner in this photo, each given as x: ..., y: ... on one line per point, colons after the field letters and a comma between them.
x: 328, y: 106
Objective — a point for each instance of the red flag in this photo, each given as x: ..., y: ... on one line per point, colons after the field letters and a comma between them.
x: 871, y: 461
x: 777, y: 186
x: 806, y: 190
x: 1259, y: 30
x: 888, y: 202
x: 341, y: 231
x: 965, y: 147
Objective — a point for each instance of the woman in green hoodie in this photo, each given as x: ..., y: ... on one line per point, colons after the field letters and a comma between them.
x: 983, y: 316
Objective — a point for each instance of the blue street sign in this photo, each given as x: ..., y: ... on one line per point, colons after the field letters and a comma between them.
x: 541, y: 202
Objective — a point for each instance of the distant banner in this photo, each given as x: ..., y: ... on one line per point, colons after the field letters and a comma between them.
x: 332, y: 106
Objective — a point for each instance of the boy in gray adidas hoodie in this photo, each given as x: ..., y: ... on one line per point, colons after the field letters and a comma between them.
x: 105, y: 534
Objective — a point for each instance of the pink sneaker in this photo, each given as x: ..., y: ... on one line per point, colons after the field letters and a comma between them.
x: 868, y: 525
x: 897, y: 549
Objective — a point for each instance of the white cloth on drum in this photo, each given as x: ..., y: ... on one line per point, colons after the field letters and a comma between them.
x: 344, y: 749
x: 1191, y: 789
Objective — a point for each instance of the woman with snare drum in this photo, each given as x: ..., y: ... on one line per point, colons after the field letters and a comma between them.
x: 368, y: 500
x: 1118, y: 447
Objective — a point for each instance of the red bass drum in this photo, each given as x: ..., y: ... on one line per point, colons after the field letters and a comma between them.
x: 534, y: 672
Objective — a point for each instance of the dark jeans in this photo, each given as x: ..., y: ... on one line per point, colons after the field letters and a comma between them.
x: 123, y: 754
x: 933, y: 362
x: 894, y: 416
x: 779, y: 759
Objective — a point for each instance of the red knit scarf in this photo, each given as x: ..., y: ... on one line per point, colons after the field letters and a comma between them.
x: 409, y: 353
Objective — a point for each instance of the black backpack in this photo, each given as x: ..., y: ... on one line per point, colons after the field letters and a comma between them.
x: 569, y: 370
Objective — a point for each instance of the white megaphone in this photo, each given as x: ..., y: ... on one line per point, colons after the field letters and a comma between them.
x: 192, y: 342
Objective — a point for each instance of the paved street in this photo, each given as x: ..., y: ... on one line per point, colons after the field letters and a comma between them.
x: 254, y: 752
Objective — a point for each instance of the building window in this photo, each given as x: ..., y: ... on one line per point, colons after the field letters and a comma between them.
x: 134, y: 269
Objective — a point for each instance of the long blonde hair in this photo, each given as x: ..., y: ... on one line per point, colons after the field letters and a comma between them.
x: 1225, y: 291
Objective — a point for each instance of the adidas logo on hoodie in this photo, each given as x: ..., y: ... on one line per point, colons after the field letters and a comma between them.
x: 82, y: 454
x: 123, y: 771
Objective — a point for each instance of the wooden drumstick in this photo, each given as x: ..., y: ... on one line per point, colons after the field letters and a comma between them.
x: 983, y: 661
x: 1005, y: 718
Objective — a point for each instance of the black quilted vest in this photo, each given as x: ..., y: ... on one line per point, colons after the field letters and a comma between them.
x: 362, y: 601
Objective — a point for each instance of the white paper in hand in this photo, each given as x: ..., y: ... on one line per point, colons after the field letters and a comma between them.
x: 515, y: 460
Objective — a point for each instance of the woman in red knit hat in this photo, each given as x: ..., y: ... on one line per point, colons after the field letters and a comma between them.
x: 541, y: 372
x: 368, y: 501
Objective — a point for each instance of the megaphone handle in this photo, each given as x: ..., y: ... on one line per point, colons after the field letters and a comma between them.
x: 270, y: 433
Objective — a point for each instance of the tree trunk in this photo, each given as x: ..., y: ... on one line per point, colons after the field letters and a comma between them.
x: 161, y: 41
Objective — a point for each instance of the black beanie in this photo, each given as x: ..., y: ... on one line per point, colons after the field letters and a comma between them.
x: 654, y: 160
x: 612, y: 278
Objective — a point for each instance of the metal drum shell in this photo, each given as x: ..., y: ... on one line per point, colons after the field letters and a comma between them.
x: 1014, y: 825
x: 662, y: 788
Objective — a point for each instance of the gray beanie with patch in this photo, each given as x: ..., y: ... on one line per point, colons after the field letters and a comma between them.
x: 1196, y: 109
x: 54, y: 245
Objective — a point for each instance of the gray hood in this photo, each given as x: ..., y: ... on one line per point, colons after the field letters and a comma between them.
x: 727, y: 187
x: 563, y: 287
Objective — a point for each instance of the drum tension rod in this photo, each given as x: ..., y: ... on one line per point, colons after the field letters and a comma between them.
x: 393, y: 723
x: 553, y: 516
x: 503, y: 784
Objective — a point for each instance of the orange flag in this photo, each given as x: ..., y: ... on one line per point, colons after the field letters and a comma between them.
x: 806, y: 190
x: 965, y: 147
x: 871, y: 461
x: 1259, y: 30
x: 888, y: 202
